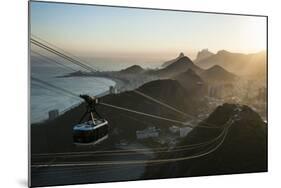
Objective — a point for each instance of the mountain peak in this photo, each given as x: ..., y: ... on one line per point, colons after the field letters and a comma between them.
x: 181, y: 55
x: 178, y: 66
x: 203, y: 54
x: 167, y: 63
x: 222, y: 52
x: 217, y: 74
x: 133, y: 69
x: 241, y: 113
x: 184, y: 59
x: 216, y: 68
x: 246, y: 136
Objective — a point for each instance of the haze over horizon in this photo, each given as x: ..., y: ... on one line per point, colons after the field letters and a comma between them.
x: 98, y: 31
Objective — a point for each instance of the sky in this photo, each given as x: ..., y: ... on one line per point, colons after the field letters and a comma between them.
x: 98, y: 31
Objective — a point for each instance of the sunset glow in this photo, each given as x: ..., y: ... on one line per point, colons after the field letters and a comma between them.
x: 122, y: 32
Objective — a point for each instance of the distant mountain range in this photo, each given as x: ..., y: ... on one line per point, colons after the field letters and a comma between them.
x: 238, y: 63
x: 220, y: 67
x: 185, y: 71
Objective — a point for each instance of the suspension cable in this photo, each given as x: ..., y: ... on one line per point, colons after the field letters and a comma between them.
x: 62, y: 50
x: 41, y: 45
x: 141, y: 113
x: 155, y: 116
x: 145, y: 150
x: 53, y: 61
x: 54, y: 87
x: 198, y: 155
x: 174, y: 109
x: 62, y: 55
x: 161, y: 103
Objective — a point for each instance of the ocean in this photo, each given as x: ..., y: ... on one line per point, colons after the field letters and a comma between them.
x: 43, y: 99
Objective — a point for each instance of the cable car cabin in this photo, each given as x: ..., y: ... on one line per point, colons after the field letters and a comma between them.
x: 95, y: 129
x: 90, y: 132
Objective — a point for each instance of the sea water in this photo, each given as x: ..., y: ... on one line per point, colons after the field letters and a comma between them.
x: 44, y: 99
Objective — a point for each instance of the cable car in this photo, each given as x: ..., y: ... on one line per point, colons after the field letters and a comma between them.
x: 92, y: 131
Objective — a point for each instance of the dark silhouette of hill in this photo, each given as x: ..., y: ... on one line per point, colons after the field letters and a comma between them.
x: 244, y: 149
x: 217, y: 74
x: 203, y: 54
x: 162, y: 89
x: 134, y: 69
x: 192, y: 82
x: 165, y: 64
x: 179, y: 66
x: 168, y: 91
x: 238, y: 63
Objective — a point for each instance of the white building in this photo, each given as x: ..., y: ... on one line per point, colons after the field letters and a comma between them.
x: 112, y: 90
x: 180, y: 131
x: 174, y: 129
x: 184, y: 131
x: 53, y: 114
x: 150, y: 132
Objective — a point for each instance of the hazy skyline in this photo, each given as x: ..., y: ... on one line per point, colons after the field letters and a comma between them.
x: 98, y: 31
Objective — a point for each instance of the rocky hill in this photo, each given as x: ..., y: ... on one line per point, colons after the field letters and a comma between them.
x: 203, y: 54
x: 192, y: 82
x: 134, y: 69
x: 217, y: 74
x: 243, y: 147
x: 179, y: 66
x: 165, y: 64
